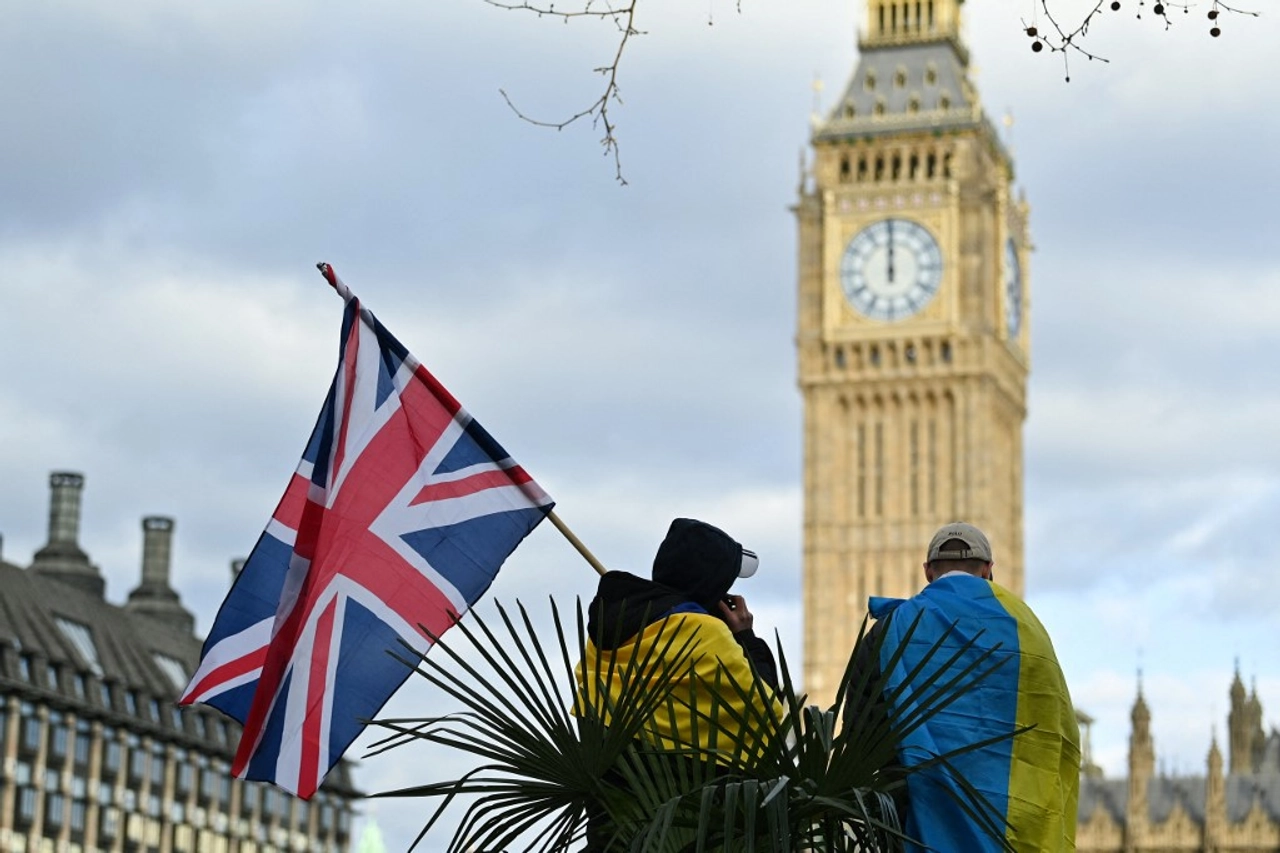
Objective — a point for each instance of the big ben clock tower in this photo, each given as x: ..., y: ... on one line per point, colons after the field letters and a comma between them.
x: 912, y: 328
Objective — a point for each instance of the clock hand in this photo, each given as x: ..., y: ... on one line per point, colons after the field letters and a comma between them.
x: 890, y: 223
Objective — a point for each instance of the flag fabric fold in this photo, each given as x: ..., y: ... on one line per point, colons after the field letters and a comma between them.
x: 399, y: 515
x: 1028, y: 778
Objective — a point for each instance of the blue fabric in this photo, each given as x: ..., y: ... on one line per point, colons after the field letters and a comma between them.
x: 953, y: 611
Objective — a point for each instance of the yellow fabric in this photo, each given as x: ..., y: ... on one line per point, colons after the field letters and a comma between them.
x: 1044, y: 774
x: 715, y: 663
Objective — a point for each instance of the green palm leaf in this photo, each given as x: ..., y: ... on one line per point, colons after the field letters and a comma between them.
x: 801, y: 779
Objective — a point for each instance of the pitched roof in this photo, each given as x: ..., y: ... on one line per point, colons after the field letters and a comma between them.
x: 69, y: 648
x: 1112, y: 795
x: 898, y: 89
x: 1164, y: 792
x: 1243, y: 791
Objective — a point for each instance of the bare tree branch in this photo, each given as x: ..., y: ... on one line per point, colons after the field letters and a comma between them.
x: 1066, y: 41
x: 1057, y: 38
x: 623, y: 17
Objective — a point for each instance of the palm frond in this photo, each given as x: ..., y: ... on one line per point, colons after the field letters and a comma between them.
x: 557, y: 739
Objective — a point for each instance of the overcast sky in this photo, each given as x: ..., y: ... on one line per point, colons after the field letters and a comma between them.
x: 170, y: 173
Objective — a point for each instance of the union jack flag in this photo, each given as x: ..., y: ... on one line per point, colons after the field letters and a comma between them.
x: 400, y: 514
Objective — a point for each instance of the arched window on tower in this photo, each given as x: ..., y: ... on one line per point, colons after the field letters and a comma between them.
x: 913, y: 462
x: 844, y: 168
x: 862, y: 470
x: 878, y: 468
x: 931, y: 463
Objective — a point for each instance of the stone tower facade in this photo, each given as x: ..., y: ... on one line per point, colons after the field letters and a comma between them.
x: 912, y: 327
x: 1142, y: 764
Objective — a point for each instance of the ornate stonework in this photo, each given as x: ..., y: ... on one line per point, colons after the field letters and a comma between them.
x: 1235, y: 808
x: 912, y: 328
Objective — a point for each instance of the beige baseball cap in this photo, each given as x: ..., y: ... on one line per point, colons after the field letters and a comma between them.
x: 976, y: 545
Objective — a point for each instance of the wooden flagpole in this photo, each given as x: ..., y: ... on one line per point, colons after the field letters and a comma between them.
x: 576, y: 542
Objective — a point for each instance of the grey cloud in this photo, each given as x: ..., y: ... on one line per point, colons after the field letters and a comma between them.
x: 1151, y: 535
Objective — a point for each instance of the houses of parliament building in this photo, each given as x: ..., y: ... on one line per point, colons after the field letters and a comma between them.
x: 913, y: 352
x: 96, y: 755
x: 1233, y: 808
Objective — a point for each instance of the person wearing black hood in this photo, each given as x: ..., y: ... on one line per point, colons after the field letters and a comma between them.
x: 686, y: 605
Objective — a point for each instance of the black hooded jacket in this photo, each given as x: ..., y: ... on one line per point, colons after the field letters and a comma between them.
x: 625, y: 604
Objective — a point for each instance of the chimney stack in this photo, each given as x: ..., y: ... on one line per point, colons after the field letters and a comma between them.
x: 154, y: 597
x: 157, y: 540
x: 62, y: 558
x: 64, y: 507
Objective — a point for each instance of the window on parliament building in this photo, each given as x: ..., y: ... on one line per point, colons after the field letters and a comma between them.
x: 108, y: 823
x: 30, y: 739
x: 83, y: 741
x: 26, y: 805
x: 157, y: 764
x: 58, y: 735
x: 185, y: 773
x: 55, y: 807
x: 110, y: 753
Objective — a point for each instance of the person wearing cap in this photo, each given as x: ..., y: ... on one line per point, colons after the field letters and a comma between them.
x: 1030, y: 778
x: 684, y: 608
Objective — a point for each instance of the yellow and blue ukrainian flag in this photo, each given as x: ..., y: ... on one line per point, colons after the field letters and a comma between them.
x: 709, y: 697
x: 1031, y: 779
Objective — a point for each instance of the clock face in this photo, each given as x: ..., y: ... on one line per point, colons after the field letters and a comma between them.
x: 891, y: 269
x: 1012, y: 289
